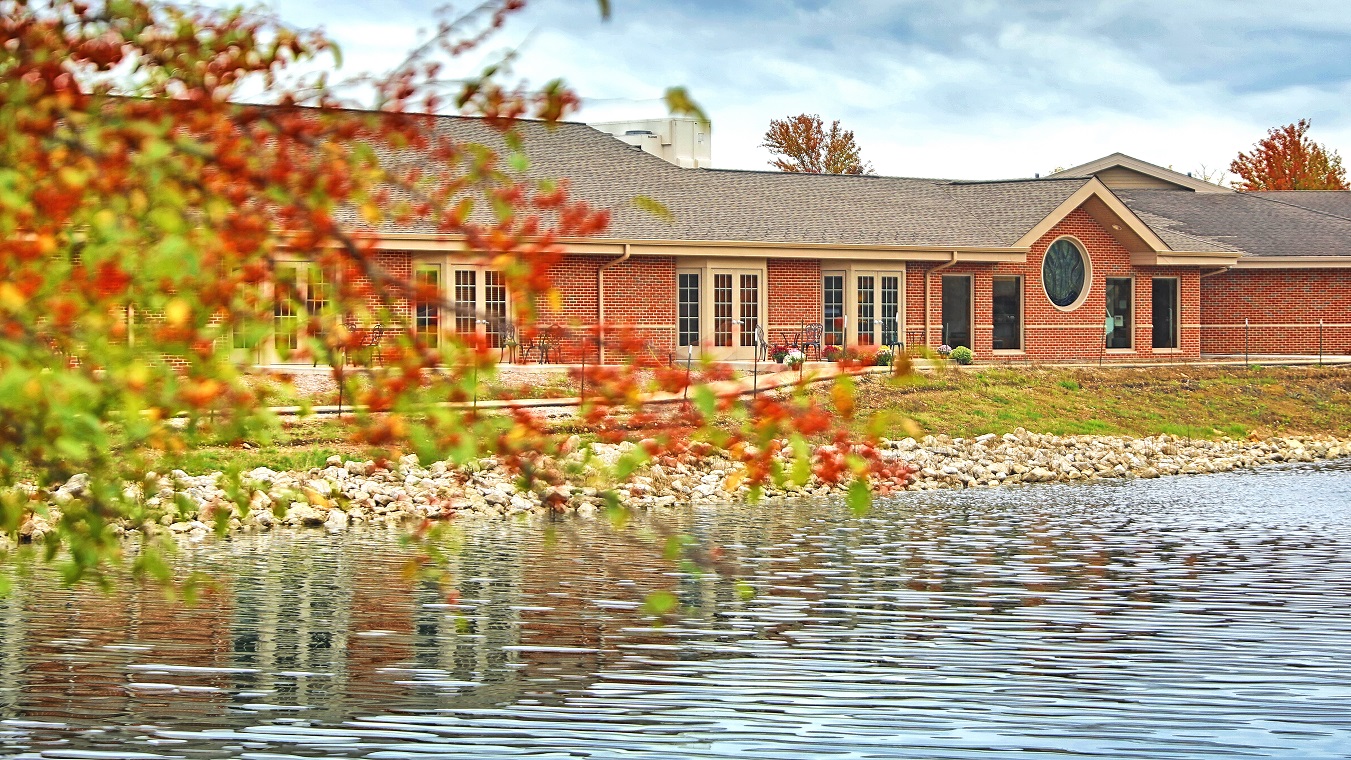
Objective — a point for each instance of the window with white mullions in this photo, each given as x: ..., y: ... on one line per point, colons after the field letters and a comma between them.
x: 722, y: 310
x: 891, y: 310
x: 494, y: 305
x: 427, y: 309
x: 867, y: 309
x: 466, y: 301
x: 832, y: 317
x: 688, y: 306
x: 750, y: 308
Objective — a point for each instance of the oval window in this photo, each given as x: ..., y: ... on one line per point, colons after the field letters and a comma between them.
x: 1064, y: 271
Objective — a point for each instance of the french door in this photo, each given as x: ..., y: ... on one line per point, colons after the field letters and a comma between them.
x: 878, y: 303
x: 479, y: 297
x: 302, y: 290
x: 736, y: 312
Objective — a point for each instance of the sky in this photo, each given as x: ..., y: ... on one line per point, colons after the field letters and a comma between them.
x: 971, y: 89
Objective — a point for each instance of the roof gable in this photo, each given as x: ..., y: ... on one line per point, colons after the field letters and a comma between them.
x: 1122, y: 172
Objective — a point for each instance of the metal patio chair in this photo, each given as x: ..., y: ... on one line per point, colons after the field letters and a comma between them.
x: 811, y: 338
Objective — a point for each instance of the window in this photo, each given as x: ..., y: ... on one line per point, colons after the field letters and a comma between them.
x: 957, y: 310
x: 494, y: 305
x: 1065, y: 274
x: 891, y: 310
x: 466, y: 301
x: 832, y: 321
x: 867, y: 310
x: 302, y: 291
x: 722, y: 310
x: 1008, y: 313
x: 1119, y: 311
x: 687, y: 300
x: 427, y: 312
x: 750, y: 308
x: 1165, y: 312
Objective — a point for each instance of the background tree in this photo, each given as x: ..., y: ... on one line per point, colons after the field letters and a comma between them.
x: 802, y: 144
x: 1286, y: 159
x: 144, y: 212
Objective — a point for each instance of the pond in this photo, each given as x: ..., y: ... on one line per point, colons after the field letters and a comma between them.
x: 1203, y: 616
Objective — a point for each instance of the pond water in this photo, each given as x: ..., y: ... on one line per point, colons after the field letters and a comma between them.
x: 1186, y: 617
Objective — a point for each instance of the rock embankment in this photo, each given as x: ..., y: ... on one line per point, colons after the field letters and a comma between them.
x: 1022, y: 457
x: 347, y: 492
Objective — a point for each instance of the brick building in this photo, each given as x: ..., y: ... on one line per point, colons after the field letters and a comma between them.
x: 1117, y: 257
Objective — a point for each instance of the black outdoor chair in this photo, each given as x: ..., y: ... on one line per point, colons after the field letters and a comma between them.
x: 367, y: 338
x: 761, y: 343
x: 811, y: 338
x: 507, y: 340
x: 551, y: 344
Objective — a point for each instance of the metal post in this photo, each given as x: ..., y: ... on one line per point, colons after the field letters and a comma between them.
x: 1245, y: 341
x: 1320, y: 342
x: 584, y: 366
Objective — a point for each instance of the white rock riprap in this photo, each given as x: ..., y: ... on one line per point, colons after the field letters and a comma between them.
x: 1022, y: 457
x: 347, y: 493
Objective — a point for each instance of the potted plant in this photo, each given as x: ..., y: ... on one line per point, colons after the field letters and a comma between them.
x: 962, y: 355
x: 778, y: 353
x: 944, y: 350
x: 793, y: 358
x: 883, y: 358
x: 832, y: 353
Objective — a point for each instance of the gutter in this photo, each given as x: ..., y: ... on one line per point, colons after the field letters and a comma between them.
x: 600, y: 299
x: 928, y: 292
x: 1221, y: 270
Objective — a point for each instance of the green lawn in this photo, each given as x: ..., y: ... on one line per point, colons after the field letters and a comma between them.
x: 1189, y: 401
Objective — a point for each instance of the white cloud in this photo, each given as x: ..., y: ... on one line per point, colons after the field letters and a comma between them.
x: 965, y: 88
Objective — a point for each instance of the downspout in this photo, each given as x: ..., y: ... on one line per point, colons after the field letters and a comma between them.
x: 1221, y: 270
x: 927, y: 296
x: 600, y: 299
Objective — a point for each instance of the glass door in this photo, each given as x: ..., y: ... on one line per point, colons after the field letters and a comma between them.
x: 1120, y: 308
x: 957, y: 310
x: 736, y: 313
x: 1165, y: 312
x: 302, y: 290
x: 481, y: 303
x: 879, y: 307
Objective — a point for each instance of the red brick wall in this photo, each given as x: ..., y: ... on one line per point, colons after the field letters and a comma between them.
x: 1283, y: 307
x: 640, y: 296
x: 1048, y: 332
x: 793, y: 293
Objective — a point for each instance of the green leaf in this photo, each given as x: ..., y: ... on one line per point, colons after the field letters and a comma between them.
x: 660, y: 603
x: 604, y: 9
x: 859, y: 497
x: 745, y: 591
x: 654, y: 207
x: 518, y: 161
x: 679, y: 102
x: 629, y: 462
x: 705, y: 401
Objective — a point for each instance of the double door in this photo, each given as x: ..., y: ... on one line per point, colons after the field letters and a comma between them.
x: 719, y: 310
x: 478, y: 297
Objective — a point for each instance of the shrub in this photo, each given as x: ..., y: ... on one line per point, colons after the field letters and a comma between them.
x: 883, y: 358
x: 962, y: 355
x: 944, y: 350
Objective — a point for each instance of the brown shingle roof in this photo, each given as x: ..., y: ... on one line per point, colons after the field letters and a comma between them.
x: 772, y: 207
x: 1250, y: 223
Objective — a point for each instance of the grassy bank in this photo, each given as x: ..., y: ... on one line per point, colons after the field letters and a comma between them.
x: 1198, y: 402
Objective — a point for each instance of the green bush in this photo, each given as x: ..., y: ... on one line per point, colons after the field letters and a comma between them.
x: 962, y: 355
x: 883, y: 358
